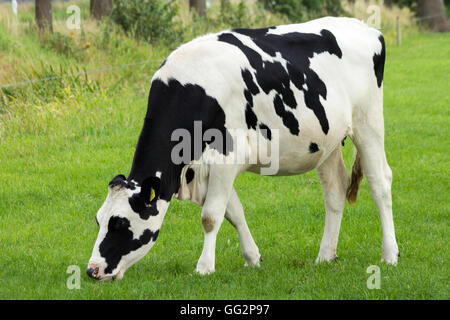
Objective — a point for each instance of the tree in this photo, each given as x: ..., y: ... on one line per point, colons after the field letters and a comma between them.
x: 434, y: 14
x: 199, y: 6
x: 100, y: 8
x: 43, y: 11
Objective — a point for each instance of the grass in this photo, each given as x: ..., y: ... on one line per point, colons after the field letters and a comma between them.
x: 57, y: 154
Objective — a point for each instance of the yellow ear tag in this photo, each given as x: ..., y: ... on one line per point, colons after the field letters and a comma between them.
x: 152, y: 194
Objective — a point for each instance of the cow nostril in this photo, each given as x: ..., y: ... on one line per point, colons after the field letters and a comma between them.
x: 92, y: 272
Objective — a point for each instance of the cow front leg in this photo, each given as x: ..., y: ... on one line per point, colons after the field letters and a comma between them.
x: 220, y: 185
x: 334, y: 179
x: 235, y: 215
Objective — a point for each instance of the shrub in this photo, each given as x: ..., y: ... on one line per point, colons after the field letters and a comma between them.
x: 298, y: 10
x: 60, y: 43
x: 150, y: 20
x: 236, y: 15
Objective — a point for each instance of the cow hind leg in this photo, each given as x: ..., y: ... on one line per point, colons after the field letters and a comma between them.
x: 334, y: 179
x: 368, y: 136
x: 235, y: 215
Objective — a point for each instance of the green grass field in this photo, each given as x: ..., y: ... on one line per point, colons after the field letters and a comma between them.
x: 57, y: 156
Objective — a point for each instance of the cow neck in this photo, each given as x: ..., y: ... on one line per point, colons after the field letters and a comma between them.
x: 152, y: 155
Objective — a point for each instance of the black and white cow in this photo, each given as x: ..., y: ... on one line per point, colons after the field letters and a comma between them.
x: 299, y: 88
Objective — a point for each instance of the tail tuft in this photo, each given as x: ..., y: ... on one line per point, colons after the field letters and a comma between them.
x: 357, y: 175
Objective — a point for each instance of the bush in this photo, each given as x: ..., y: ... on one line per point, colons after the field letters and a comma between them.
x: 60, y: 43
x: 298, y: 10
x: 150, y: 20
x: 234, y: 15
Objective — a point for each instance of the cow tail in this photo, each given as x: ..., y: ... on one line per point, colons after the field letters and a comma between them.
x: 355, y: 181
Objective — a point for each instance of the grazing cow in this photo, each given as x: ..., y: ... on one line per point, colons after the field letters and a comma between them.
x: 292, y: 91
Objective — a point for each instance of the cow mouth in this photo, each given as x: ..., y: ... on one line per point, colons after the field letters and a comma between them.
x: 94, y: 273
x: 106, y: 278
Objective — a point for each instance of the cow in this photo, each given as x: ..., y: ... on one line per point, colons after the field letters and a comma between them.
x: 300, y: 88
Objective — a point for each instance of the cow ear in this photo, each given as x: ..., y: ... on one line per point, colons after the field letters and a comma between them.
x: 117, y: 180
x: 150, y: 189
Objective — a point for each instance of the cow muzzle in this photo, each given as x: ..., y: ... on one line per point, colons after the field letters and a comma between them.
x: 93, y: 272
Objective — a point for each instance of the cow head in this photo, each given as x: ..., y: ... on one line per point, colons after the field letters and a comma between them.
x: 129, y: 222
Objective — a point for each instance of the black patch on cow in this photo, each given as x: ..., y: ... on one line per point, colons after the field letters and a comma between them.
x: 250, y: 90
x: 189, y: 175
x: 265, y: 131
x: 119, y: 242
x: 343, y: 141
x: 378, y: 62
x: 288, y: 117
x: 297, y: 49
x: 137, y: 203
x: 250, y: 117
x: 313, y: 147
x: 141, y: 203
x: 121, y: 182
x: 174, y: 106
x: 249, y: 83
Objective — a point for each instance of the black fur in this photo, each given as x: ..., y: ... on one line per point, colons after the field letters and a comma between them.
x: 189, y: 175
x: 119, y: 242
x: 175, y: 106
x: 313, y: 147
x: 378, y: 62
x: 297, y: 49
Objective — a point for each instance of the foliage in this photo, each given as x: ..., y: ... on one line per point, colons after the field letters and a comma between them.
x: 403, y: 3
x: 235, y: 14
x: 298, y: 10
x: 152, y: 21
x: 413, y: 4
x: 61, y: 43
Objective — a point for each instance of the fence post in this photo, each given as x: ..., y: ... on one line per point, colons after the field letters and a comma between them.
x: 399, y: 35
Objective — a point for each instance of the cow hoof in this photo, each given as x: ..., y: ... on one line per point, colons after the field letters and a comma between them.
x: 390, y: 254
x: 393, y: 260
x: 204, y: 270
x: 254, y: 265
x: 321, y: 259
x: 252, y: 260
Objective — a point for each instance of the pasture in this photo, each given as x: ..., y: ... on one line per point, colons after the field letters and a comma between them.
x: 57, y: 157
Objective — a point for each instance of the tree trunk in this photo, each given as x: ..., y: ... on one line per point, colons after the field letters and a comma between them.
x: 199, y: 6
x: 434, y: 14
x: 100, y: 8
x: 43, y: 11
